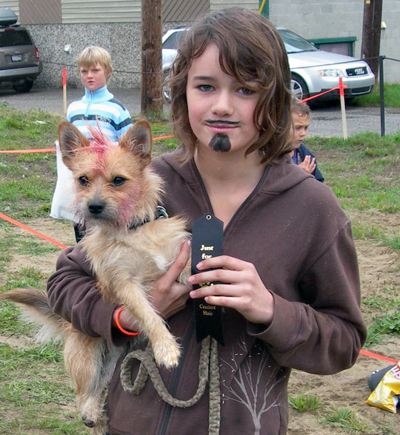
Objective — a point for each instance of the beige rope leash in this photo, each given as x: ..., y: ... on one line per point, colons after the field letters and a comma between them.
x: 208, y: 373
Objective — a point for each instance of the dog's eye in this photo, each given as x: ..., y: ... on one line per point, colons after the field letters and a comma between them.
x: 118, y: 181
x: 84, y: 180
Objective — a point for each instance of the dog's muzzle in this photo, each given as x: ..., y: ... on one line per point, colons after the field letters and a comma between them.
x: 96, y: 207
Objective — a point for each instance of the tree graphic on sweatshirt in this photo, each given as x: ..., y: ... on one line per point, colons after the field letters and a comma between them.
x: 249, y: 379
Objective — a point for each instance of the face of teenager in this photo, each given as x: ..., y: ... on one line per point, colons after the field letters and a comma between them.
x: 93, y: 77
x: 299, y: 128
x: 219, y: 104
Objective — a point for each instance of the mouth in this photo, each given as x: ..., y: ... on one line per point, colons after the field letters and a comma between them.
x: 222, y: 124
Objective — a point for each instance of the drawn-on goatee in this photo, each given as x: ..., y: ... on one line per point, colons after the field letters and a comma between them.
x: 220, y: 142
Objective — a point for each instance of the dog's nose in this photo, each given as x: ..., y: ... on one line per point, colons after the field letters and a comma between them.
x: 96, y: 207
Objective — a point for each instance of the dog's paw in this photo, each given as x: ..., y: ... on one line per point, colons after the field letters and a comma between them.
x: 100, y: 427
x: 167, y: 353
x: 92, y: 414
x: 88, y: 422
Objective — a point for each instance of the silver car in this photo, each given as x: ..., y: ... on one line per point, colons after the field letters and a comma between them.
x: 313, y: 71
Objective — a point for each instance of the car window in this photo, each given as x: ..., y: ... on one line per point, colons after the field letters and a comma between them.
x: 172, y: 42
x: 295, y: 43
x: 10, y: 38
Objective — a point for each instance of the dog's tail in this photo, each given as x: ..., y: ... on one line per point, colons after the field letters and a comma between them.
x: 36, y: 309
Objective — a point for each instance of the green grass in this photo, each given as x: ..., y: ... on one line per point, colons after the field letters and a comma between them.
x: 383, y: 325
x: 32, y: 384
x: 391, y: 96
x: 363, y: 171
x: 305, y: 402
x: 347, y: 419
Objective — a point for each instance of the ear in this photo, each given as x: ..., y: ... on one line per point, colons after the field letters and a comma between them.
x: 70, y: 139
x: 138, y: 139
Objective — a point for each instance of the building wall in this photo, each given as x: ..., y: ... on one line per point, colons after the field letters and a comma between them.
x: 98, y: 11
x: 315, y: 19
x: 216, y: 5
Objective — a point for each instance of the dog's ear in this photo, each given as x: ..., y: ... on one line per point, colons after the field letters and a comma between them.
x: 138, y: 139
x: 70, y: 139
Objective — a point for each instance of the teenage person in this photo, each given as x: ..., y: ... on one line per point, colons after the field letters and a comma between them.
x: 288, y: 281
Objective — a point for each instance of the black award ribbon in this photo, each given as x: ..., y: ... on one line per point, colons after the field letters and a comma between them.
x: 207, y: 242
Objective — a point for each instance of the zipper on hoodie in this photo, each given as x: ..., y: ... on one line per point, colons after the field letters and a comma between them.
x: 89, y: 103
x: 175, y: 380
x: 178, y: 372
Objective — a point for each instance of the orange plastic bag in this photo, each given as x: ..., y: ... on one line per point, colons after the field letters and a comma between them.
x: 385, y: 395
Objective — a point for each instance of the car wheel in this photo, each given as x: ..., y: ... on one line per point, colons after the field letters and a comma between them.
x: 26, y: 86
x: 299, y: 87
x: 166, y: 90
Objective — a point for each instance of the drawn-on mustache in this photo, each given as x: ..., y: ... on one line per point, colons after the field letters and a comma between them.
x: 219, y: 122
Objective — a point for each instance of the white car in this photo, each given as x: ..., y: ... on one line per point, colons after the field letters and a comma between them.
x: 313, y: 71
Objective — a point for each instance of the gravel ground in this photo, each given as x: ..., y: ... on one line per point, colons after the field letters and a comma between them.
x: 326, y: 121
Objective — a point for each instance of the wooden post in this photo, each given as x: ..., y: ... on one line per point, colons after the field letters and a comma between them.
x: 371, y: 38
x: 151, y: 90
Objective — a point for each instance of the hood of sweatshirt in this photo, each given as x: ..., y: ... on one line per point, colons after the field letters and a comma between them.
x: 278, y: 177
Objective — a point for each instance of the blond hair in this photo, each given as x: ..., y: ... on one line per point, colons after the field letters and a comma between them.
x: 92, y: 55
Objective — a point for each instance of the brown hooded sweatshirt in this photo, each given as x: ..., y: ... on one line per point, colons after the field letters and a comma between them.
x: 294, y: 232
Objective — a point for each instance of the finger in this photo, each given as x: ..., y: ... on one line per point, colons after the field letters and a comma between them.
x: 217, y: 290
x: 222, y: 261
x: 179, y: 264
x: 217, y: 276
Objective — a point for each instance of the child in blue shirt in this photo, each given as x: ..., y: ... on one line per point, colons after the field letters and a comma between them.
x: 301, y: 155
x: 97, y: 108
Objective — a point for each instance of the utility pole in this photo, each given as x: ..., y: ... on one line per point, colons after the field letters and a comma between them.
x: 151, y: 95
x: 371, y: 39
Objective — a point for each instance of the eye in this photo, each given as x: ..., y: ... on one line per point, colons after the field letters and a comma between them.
x: 118, y: 181
x: 84, y: 180
x: 246, y: 91
x: 205, y: 88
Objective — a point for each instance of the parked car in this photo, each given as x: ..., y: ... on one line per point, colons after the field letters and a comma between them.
x: 313, y: 71
x: 20, y: 64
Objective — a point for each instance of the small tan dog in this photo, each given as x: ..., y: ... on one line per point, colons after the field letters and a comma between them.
x: 128, y: 248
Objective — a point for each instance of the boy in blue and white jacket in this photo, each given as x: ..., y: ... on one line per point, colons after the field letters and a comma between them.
x: 97, y: 107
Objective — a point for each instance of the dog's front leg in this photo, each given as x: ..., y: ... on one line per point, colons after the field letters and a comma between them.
x: 165, y: 347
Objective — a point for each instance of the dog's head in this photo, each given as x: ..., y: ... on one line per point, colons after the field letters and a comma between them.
x: 113, y: 183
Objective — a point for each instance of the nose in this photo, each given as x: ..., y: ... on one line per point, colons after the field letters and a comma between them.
x: 222, y: 104
x: 96, y: 207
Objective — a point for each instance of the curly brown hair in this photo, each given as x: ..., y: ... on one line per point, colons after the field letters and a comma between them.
x: 251, y: 49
